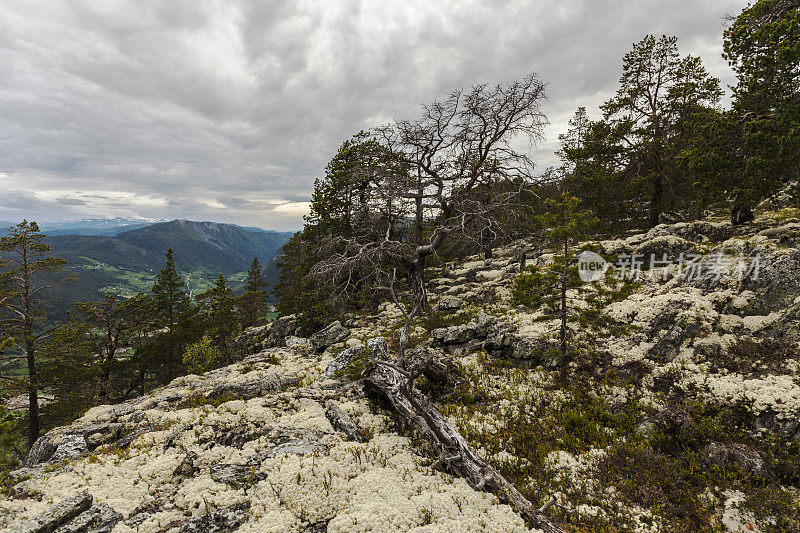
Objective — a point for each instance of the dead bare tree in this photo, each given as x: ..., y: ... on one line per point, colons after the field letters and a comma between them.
x: 455, y: 173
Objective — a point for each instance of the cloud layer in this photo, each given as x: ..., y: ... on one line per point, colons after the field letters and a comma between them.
x: 228, y: 109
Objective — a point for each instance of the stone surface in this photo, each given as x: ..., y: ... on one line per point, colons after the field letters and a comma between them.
x: 724, y: 455
x: 449, y: 303
x: 222, y: 521
x: 297, y: 342
x: 343, y: 360
x: 233, y: 475
x: 70, y: 447
x: 258, y: 338
x: 187, y: 468
x: 331, y: 334
x: 478, y: 329
x: 42, y: 450
x: 100, y: 518
x: 341, y: 421
x: 58, y: 514
x: 667, y: 245
x: 297, y: 447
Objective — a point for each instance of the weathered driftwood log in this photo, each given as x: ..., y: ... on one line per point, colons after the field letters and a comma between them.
x: 397, y: 386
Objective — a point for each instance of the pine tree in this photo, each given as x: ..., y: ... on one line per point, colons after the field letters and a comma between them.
x: 170, y: 305
x: 71, y: 370
x: 220, y: 313
x: 137, y: 316
x: 659, y: 92
x: 762, y: 46
x: 554, y: 288
x: 105, y: 319
x: 28, y: 268
x: 255, y: 283
x: 251, y: 302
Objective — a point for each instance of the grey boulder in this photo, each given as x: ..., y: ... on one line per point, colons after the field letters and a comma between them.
x: 331, y: 334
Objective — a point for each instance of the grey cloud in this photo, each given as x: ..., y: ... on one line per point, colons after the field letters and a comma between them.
x: 161, y: 108
x: 70, y: 201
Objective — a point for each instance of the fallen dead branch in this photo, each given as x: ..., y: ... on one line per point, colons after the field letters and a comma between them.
x: 396, y: 384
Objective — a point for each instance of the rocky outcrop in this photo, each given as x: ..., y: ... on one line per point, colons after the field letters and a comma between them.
x: 746, y: 458
x: 72, y: 515
x: 448, y: 304
x: 328, y: 336
x: 341, y: 421
x: 59, y: 445
x: 375, y: 348
x: 284, y: 439
x: 270, y: 335
x: 222, y: 521
x: 478, y: 329
x: 263, y: 444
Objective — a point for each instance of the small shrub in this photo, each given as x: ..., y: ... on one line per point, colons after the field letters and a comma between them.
x: 756, y: 356
x: 201, y: 356
x: 438, y: 319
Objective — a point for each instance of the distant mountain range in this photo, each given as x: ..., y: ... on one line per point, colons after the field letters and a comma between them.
x: 114, y: 259
x: 88, y: 226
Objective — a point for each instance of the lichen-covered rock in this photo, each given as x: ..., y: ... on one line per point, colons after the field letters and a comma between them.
x: 271, y: 335
x: 234, y: 475
x: 776, y: 285
x: 748, y: 459
x: 375, y: 348
x: 195, y: 450
x: 480, y: 328
x: 297, y: 342
x: 343, y: 359
x: 341, y: 421
x: 449, y: 303
x: 42, y: 450
x: 100, y: 518
x: 56, y: 515
x: 668, y: 246
x: 222, y: 521
x: 72, y: 445
x: 697, y: 231
x: 329, y: 335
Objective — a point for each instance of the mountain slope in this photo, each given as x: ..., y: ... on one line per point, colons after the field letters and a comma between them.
x: 206, y: 245
x: 127, y: 263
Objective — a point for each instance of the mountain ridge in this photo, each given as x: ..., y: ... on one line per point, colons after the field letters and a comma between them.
x: 128, y: 262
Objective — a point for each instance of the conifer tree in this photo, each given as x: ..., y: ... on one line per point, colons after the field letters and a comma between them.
x: 221, y: 317
x: 137, y: 316
x: 105, y: 319
x: 762, y: 46
x: 658, y: 93
x: 255, y: 283
x: 28, y: 269
x: 553, y: 288
x: 252, y: 302
x: 170, y: 305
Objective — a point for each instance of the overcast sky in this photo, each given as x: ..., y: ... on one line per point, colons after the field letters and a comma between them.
x: 226, y: 110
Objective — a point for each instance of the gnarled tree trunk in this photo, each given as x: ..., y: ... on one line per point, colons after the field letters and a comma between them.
x: 397, y: 385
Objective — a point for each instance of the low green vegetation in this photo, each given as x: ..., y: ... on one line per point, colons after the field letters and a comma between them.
x: 525, y: 421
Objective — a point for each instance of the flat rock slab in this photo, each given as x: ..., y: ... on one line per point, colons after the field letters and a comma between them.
x: 233, y: 475
x: 58, y: 514
x: 100, y: 518
x: 222, y: 521
x: 331, y: 334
